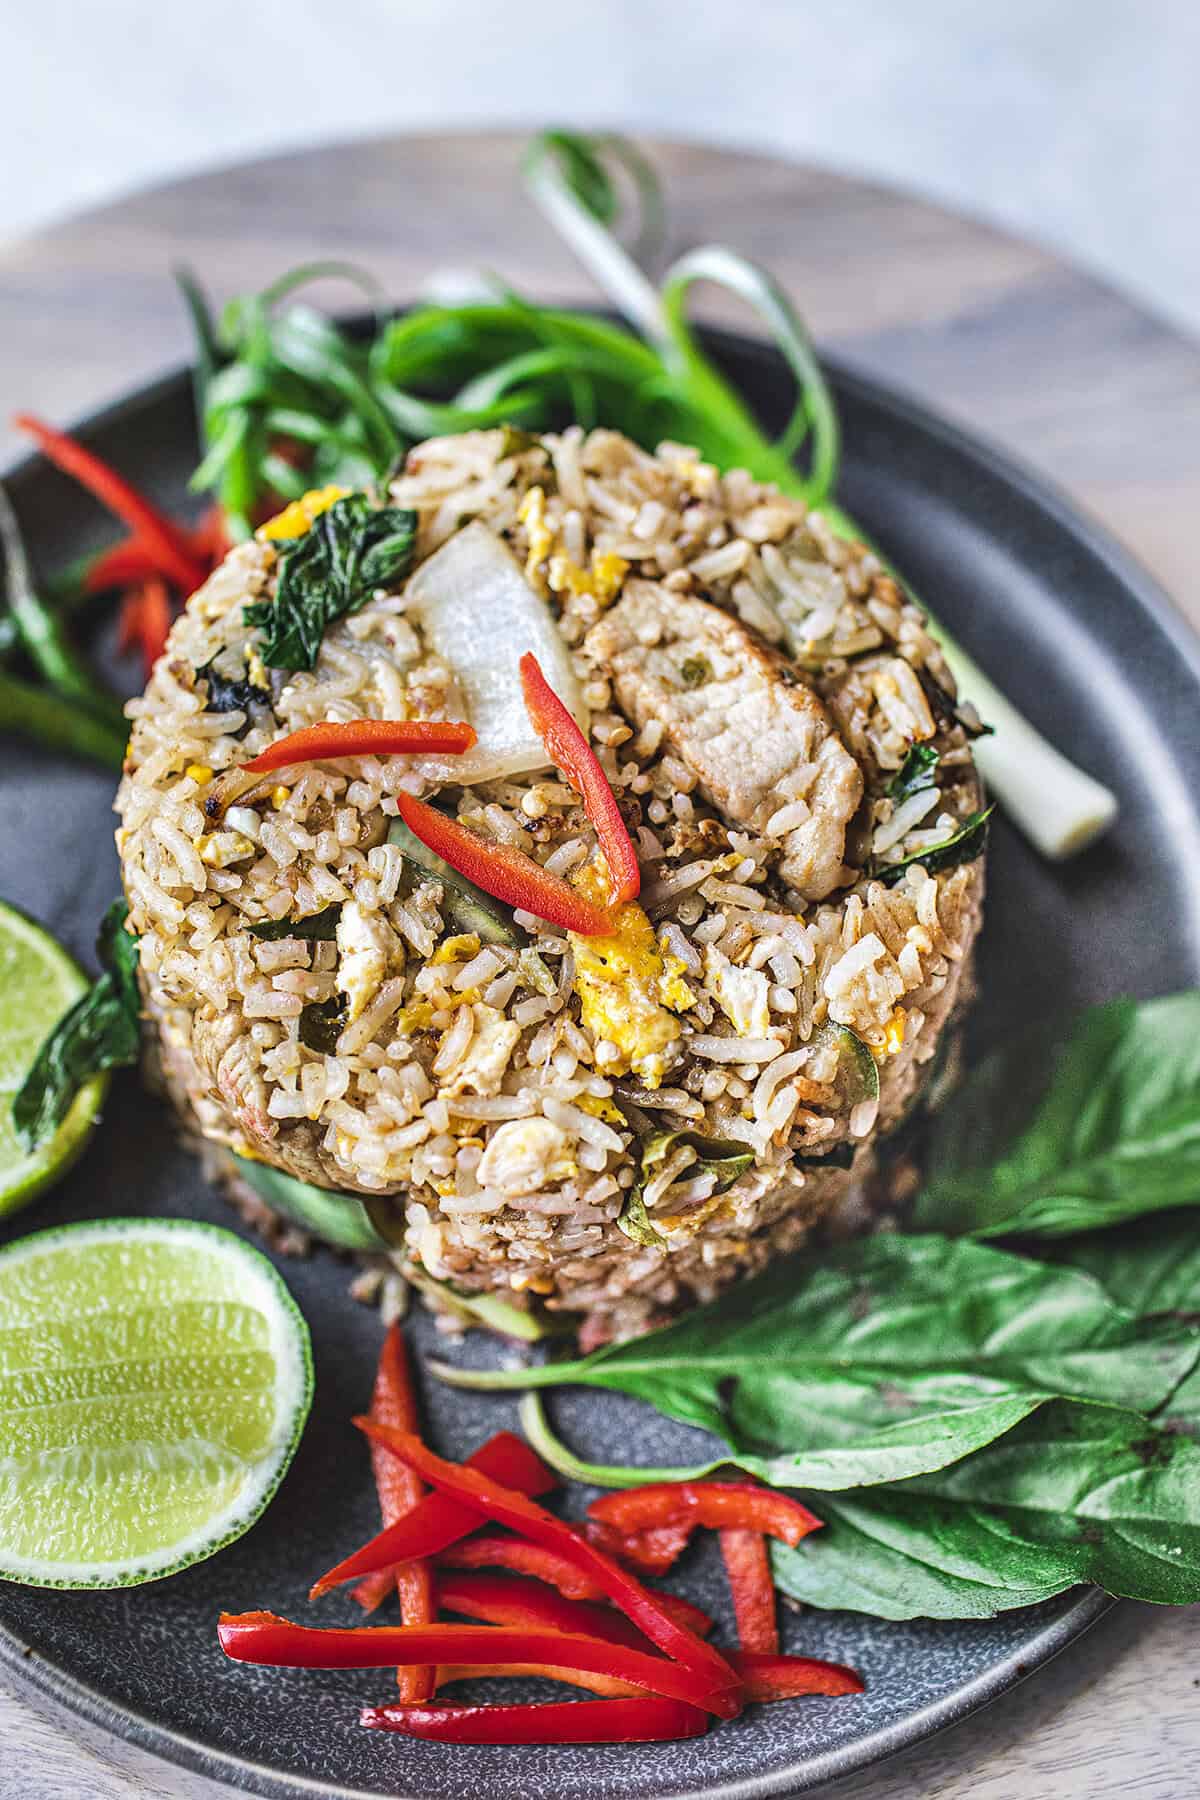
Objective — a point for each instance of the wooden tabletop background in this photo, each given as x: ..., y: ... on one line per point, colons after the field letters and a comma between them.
x: 997, y: 334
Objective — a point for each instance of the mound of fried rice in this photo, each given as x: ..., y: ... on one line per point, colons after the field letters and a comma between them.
x: 473, y: 1090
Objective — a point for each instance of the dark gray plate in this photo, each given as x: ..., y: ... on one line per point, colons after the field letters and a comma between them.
x: 1093, y: 653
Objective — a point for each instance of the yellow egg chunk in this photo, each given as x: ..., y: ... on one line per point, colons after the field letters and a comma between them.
x: 296, y: 519
x: 622, y: 981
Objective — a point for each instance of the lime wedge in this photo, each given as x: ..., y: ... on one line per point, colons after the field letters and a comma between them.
x: 38, y: 982
x: 155, y: 1376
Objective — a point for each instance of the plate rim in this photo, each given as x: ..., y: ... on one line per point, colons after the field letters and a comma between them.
x: 37, y: 1674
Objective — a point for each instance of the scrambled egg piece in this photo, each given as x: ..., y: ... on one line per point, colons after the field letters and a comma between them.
x: 742, y: 994
x: 366, y: 949
x: 625, y: 987
x: 482, y: 1068
x: 532, y: 515
x: 524, y: 1156
x: 603, y: 580
x: 457, y: 949
x: 220, y: 848
x: 297, y: 518
x: 893, y: 1032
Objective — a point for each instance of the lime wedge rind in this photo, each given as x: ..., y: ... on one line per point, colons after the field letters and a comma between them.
x: 173, y: 1502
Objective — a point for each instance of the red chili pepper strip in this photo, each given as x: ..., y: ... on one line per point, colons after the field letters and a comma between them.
x: 605, y: 1685
x: 504, y: 871
x: 437, y: 1521
x: 789, y: 1677
x: 516, y: 1600
x: 749, y: 1571
x: 145, y: 621
x: 710, y: 1503
x: 561, y: 1722
x: 495, y: 1550
x: 521, y: 1514
x: 127, y: 562
x: 394, y: 1402
x: 653, y: 1552
x: 260, y: 1637
x: 364, y: 737
x: 574, y: 757
x: 168, y: 541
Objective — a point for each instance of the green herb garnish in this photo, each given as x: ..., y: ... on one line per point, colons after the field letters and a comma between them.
x: 962, y: 846
x: 101, y: 1031
x: 915, y: 773
x: 350, y: 549
x: 1051, y: 1136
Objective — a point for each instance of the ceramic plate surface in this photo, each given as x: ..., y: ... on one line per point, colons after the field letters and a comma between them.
x: 1091, y: 652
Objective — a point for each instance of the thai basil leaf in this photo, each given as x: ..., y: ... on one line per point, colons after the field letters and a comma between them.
x: 893, y: 1357
x: 1064, y: 1133
x: 318, y: 927
x: 101, y: 1031
x: 963, y: 845
x: 915, y: 773
x: 464, y: 904
x: 1077, y: 1493
x: 350, y: 549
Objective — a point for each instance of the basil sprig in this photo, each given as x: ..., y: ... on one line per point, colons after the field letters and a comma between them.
x: 101, y: 1031
x: 350, y: 549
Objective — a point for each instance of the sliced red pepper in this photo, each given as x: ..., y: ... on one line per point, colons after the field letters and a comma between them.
x: 168, y: 541
x: 504, y: 871
x: 145, y: 621
x: 262, y: 1637
x: 394, y: 1402
x: 560, y: 1722
x: 574, y: 757
x: 364, y: 737
x: 710, y: 1503
x: 790, y: 1677
x: 128, y: 562
x: 752, y: 1588
x: 652, y: 1552
x: 496, y: 1550
x: 519, y: 1513
x: 605, y: 1685
x: 516, y: 1600
x: 438, y: 1521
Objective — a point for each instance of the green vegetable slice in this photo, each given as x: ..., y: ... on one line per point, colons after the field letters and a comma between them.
x: 348, y: 1221
x: 725, y: 1158
x: 318, y: 927
x: 101, y: 1031
x: 464, y: 904
x: 491, y: 1311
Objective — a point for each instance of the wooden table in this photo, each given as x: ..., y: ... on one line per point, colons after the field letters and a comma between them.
x: 1087, y: 388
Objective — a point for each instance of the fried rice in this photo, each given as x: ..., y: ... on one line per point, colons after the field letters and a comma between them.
x: 536, y: 1118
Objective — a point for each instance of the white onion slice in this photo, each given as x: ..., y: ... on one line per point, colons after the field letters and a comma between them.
x: 480, y: 615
